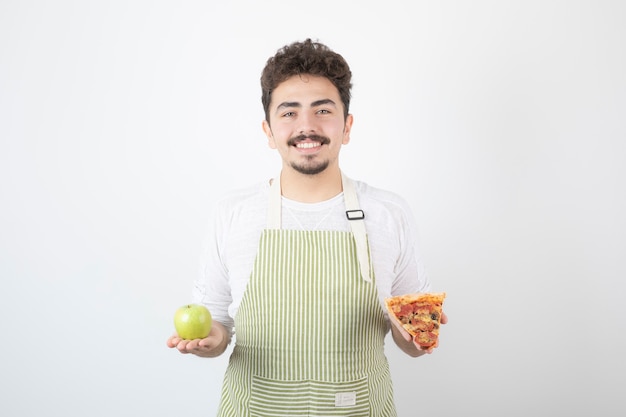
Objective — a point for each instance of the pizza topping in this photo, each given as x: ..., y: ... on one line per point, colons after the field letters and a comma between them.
x: 419, y: 314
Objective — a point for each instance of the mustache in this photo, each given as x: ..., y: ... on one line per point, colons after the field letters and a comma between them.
x: 317, y: 138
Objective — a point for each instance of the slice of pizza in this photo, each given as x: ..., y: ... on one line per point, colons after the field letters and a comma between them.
x: 419, y: 314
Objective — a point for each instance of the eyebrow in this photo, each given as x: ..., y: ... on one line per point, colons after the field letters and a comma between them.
x: 316, y: 103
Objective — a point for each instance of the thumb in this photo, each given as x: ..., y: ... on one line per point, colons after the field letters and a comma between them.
x: 396, y: 323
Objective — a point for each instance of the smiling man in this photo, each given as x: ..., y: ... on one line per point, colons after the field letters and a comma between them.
x: 307, y: 125
x: 298, y: 266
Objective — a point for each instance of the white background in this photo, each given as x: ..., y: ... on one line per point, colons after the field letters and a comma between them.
x: 502, y: 122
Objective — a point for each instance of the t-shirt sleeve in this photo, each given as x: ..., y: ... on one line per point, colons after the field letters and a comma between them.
x: 212, y: 286
x: 410, y: 272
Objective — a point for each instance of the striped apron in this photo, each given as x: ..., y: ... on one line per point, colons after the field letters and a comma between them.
x: 310, y: 329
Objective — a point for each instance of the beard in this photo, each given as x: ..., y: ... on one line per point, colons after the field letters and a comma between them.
x: 310, y: 166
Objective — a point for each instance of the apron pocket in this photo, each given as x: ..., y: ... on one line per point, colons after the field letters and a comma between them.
x: 277, y: 398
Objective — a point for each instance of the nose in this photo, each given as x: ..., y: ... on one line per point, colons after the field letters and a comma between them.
x: 306, y: 123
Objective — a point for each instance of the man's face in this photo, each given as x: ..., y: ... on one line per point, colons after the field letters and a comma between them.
x: 307, y: 124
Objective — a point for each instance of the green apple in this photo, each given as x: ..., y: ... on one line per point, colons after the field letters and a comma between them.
x: 193, y: 321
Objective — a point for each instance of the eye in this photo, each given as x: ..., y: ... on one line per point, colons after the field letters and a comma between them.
x: 323, y: 111
x: 289, y: 114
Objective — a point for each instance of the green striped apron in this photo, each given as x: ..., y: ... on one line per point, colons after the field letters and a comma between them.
x: 310, y: 328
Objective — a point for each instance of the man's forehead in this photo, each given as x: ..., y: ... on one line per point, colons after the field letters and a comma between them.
x: 297, y: 87
x: 305, y: 91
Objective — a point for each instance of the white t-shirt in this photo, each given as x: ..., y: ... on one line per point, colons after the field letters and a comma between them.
x: 241, y: 217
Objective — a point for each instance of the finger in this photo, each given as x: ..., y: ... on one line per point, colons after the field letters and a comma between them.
x: 192, y: 344
x: 444, y: 318
x: 173, y: 341
x: 406, y: 335
x: 182, y: 346
x: 428, y: 350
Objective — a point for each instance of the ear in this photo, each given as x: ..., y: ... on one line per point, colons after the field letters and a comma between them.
x: 268, y: 132
x: 346, y: 129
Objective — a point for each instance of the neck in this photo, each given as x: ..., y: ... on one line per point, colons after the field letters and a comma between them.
x: 310, y: 188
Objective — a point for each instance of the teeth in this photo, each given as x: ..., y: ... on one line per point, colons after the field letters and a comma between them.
x: 307, y: 145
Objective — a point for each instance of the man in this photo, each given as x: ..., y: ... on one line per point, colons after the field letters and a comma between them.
x: 300, y: 265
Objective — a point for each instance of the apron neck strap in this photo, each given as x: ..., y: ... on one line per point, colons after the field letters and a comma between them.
x: 354, y: 215
x: 274, y: 209
x: 356, y: 218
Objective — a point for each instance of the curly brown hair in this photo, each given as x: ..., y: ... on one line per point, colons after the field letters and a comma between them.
x: 306, y: 57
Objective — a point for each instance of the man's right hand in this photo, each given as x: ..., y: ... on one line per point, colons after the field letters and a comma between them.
x: 211, y: 346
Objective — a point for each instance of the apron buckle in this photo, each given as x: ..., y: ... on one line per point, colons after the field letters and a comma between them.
x: 355, y: 214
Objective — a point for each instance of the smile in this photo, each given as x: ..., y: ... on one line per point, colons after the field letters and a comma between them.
x: 308, y: 145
